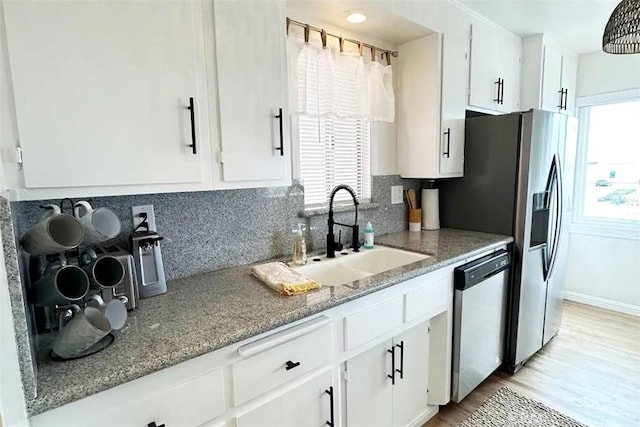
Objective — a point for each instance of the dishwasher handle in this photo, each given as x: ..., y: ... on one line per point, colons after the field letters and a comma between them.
x: 470, y: 274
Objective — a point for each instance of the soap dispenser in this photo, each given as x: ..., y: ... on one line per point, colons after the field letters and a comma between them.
x: 299, y: 246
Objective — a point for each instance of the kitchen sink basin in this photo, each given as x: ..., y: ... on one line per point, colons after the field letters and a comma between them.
x: 380, y: 259
x: 331, y: 274
x: 349, y: 266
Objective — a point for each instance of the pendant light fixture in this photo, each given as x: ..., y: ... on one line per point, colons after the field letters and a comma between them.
x: 622, y: 32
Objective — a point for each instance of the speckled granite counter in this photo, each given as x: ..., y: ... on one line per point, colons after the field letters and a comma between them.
x: 209, y: 311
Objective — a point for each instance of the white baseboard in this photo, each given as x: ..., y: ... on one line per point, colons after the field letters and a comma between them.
x: 428, y: 413
x: 620, y: 307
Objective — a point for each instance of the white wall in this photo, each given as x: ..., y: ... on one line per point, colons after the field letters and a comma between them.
x: 12, y: 405
x: 8, y: 124
x: 604, y: 263
x: 604, y: 271
x: 600, y: 72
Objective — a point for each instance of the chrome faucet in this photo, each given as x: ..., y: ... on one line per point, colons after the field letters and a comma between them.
x: 331, y: 240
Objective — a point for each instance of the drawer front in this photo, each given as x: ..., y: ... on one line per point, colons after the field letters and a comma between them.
x: 427, y: 299
x: 190, y: 403
x: 278, y: 365
x: 372, y: 322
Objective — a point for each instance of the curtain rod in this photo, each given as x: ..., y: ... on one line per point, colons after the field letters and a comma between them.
x: 324, y: 34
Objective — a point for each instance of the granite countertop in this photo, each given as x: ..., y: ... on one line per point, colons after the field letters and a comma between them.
x: 202, y: 313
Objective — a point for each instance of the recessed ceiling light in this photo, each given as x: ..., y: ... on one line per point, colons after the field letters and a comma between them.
x: 356, y: 17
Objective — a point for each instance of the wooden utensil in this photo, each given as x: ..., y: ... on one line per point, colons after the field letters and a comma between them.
x: 406, y: 197
x: 411, y: 195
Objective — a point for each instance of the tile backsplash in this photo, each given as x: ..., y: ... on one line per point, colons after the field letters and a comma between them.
x: 210, y: 230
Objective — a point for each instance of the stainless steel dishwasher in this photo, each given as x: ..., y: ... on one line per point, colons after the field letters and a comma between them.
x: 480, y: 307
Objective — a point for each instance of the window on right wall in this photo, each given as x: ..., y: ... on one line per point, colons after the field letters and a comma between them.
x: 608, y: 160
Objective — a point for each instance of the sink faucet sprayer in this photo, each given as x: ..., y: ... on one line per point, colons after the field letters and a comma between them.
x: 331, y: 243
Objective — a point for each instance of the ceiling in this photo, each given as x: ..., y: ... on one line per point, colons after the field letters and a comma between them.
x: 576, y: 24
x: 380, y: 24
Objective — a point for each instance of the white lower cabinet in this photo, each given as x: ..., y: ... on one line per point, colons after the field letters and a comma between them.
x: 388, y: 384
x: 394, y: 346
x: 310, y: 404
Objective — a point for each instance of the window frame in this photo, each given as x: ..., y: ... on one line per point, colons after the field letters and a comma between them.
x: 580, y: 222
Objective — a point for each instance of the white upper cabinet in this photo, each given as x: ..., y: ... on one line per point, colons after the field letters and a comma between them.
x: 548, y: 75
x: 432, y: 76
x: 455, y: 66
x: 569, y: 81
x: 102, y: 90
x: 494, y: 80
x: 252, y: 89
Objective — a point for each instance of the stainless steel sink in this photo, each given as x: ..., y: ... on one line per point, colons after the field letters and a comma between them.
x: 349, y: 266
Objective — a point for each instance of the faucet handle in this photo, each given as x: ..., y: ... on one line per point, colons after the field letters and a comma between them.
x: 355, y: 243
x: 338, y: 245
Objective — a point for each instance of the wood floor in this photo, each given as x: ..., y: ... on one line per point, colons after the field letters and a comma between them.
x: 590, y: 371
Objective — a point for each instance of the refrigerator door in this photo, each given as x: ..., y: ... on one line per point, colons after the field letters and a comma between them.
x: 557, y: 273
x: 554, y: 209
x: 539, y: 142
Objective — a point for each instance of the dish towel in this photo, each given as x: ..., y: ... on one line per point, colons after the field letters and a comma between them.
x: 282, y: 279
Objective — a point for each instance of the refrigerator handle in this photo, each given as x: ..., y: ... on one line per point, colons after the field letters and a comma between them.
x: 558, y: 221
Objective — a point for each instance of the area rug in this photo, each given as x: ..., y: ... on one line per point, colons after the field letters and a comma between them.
x: 507, y: 408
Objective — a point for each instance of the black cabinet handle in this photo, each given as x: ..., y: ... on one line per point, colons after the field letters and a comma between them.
x: 192, y: 112
x: 393, y: 365
x: 501, y: 91
x: 330, y: 393
x: 290, y: 365
x: 448, y: 133
x: 401, y: 370
x: 563, y: 98
x: 561, y: 92
x: 281, y: 147
x: 499, y: 83
x: 153, y: 424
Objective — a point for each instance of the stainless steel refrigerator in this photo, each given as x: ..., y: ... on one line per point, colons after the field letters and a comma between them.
x: 517, y: 181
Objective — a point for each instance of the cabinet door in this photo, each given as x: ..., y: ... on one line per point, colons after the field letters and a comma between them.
x: 454, y: 101
x: 483, y: 71
x: 410, y: 393
x: 102, y: 89
x: 569, y: 78
x: 251, y: 58
x: 509, y: 62
x: 369, y: 390
x: 306, y: 405
x: 551, y: 78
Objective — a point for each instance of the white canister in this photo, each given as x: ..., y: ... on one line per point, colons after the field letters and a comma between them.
x: 430, y: 209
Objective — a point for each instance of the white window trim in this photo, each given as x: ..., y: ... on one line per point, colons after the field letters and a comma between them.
x: 594, y: 225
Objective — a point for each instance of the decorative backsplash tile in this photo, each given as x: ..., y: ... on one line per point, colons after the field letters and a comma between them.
x: 210, y: 230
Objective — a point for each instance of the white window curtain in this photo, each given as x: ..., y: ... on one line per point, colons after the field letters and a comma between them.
x: 339, y: 84
x: 331, y: 98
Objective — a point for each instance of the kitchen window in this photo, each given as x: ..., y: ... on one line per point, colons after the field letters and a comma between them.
x: 333, y: 151
x: 334, y: 97
x: 608, y: 160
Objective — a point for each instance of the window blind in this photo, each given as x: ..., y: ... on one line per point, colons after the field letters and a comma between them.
x: 333, y: 150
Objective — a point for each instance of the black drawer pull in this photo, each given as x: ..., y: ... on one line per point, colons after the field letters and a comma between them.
x: 401, y: 370
x: 192, y: 112
x: 281, y: 147
x: 447, y: 151
x: 153, y: 424
x: 290, y: 365
x: 393, y: 365
x: 330, y: 393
